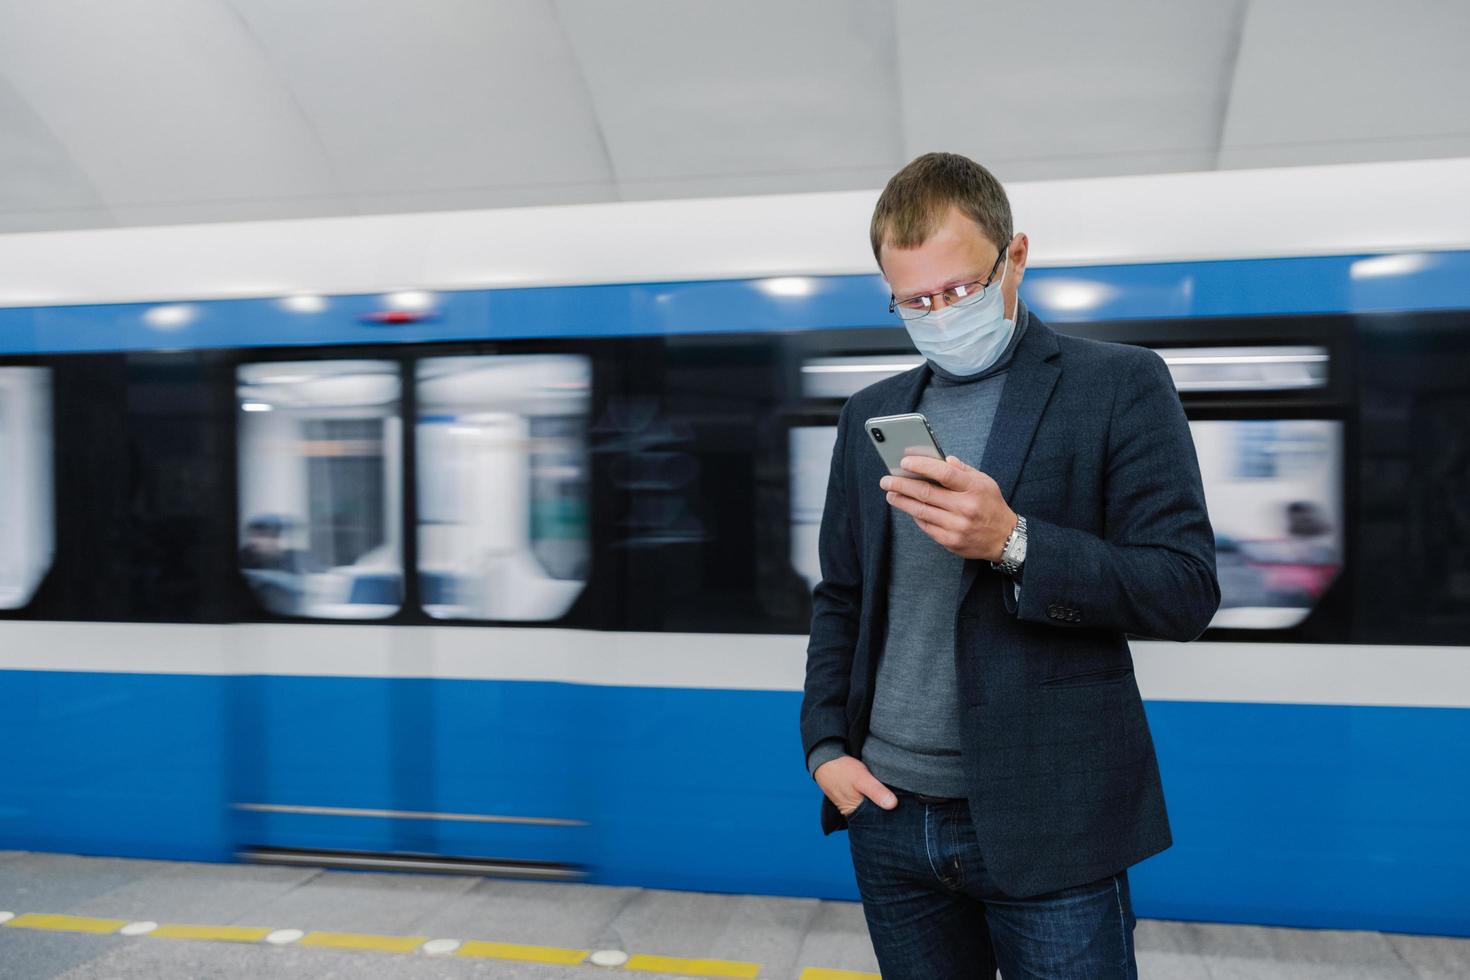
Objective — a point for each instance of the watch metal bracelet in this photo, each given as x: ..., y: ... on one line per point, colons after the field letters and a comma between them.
x: 1013, y: 553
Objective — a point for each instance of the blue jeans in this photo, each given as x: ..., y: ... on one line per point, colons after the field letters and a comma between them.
x: 934, y: 912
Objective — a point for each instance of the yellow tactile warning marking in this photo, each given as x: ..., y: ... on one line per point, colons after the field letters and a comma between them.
x: 691, y: 967
x: 515, y: 951
x: 641, y: 962
x: 361, y: 940
x: 222, y: 933
x: 228, y: 934
x: 65, y: 923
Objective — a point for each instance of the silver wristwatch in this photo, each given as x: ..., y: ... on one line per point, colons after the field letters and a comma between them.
x: 1014, y: 552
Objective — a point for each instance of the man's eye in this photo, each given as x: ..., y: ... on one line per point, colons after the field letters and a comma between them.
x: 918, y: 303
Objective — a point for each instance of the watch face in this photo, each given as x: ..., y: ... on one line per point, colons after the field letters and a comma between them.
x: 1015, y: 552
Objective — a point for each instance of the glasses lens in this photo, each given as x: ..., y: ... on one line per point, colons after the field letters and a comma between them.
x: 973, y: 294
x: 909, y: 309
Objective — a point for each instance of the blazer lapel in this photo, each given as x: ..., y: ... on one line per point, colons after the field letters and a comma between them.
x: 1029, y: 383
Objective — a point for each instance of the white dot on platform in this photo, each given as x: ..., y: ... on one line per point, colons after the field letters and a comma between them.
x: 283, y: 936
x: 438, y: 947
x: 138, y: 928
x: 6, y: 916
x: 608, y: 957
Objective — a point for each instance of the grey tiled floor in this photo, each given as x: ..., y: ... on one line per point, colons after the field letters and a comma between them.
x: 784, y: 935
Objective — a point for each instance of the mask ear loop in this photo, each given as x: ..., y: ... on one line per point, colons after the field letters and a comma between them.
x: 1000, y: 284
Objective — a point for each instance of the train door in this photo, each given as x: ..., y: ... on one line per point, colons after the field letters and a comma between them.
x: 380, y: 720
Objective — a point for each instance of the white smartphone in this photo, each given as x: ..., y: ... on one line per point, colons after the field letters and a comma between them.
x: 897, y: 436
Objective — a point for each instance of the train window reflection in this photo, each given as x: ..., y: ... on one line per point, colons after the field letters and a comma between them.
x: 502, y: 485
x: 810, y: 451
x: 1246, y: 368
x: 842, y: 377
x: 1274, y: 492
x: 27, y: 532
x: 320, y: 473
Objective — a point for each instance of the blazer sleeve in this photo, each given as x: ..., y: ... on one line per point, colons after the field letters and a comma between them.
x: 1152, y: 573
x: 836, y: 608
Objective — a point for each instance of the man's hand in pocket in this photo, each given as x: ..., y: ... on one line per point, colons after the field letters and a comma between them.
x: 846, y: 781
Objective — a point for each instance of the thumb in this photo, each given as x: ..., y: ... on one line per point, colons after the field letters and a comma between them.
x: 870, y: 787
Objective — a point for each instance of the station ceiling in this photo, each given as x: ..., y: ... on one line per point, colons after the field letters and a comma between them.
x: 146, y: 112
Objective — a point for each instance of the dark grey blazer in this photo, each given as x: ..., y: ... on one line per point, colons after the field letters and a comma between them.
x: 1091, y: 445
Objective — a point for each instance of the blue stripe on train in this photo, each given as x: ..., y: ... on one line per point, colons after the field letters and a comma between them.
x: 1243, y: 287
x: 1331, y: 816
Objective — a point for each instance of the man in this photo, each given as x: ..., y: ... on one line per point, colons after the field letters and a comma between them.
x: 970, y: 710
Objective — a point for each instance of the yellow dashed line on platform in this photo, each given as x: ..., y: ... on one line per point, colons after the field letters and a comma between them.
x: 528, y: 954
x: 690, y: 967
x: 359, y: 940
x: 224, y: 934
x: 485, y: 949
x: 65, y: 923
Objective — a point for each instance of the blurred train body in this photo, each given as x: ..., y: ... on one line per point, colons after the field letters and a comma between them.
x: 521, y: 575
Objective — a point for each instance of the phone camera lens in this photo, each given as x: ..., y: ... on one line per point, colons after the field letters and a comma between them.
x: 877, y: 434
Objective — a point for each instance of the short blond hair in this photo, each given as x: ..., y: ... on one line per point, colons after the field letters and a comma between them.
x: 917, y: 198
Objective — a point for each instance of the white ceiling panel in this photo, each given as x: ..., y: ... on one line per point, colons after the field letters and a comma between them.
x: 40, y: 186
x: 734, y: 184
x: 695, y: 95
x: 161, y: 103
x: 1343, y: 81
x: 1068, y: 89
x: 472, y: 102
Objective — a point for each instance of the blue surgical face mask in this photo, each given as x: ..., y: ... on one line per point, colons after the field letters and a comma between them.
x: 965, y: 339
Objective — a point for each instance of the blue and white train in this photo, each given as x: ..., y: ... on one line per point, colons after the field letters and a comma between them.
x: 485, y: 540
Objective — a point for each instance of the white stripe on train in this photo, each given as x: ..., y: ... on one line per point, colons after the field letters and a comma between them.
x: 1287, y: 673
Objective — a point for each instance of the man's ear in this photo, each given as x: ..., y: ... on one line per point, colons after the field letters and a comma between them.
x: 1019, y: 248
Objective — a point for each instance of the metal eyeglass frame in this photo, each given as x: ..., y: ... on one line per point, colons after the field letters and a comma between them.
x: 963, y: 296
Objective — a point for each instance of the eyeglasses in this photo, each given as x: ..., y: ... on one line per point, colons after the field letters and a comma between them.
x: 961, y: 295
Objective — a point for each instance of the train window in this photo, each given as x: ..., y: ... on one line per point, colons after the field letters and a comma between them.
x: 320, y: 473
x: 839, y: 377
x: 1246, y: 368
x: 1274, y: 492
x: 26, y: 519
x: 810, y: 452
x: 502, y: 485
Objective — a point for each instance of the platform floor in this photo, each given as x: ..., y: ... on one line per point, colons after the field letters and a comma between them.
x: 70, y: 917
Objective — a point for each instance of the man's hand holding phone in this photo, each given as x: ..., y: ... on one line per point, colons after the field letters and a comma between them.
x: 961, y: 508
x: 846, y: 781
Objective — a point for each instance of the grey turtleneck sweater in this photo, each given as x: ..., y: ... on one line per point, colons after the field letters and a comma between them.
x: 914, y: 733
